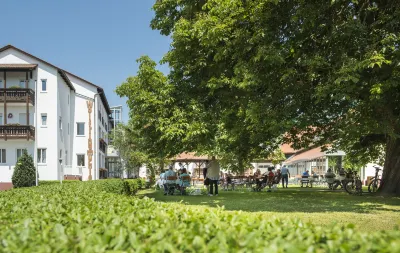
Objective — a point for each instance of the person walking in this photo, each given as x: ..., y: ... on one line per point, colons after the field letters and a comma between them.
x: 213, y: 175
x: 285, y: 176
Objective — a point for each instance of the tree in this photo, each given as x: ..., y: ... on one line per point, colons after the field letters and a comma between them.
x: 315, y: 72
x: 24, y: 171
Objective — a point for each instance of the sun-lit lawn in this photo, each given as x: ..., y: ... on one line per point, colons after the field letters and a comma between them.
x: 317, y: 205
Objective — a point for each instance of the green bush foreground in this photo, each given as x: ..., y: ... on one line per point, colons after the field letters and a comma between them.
x: 95, y: 217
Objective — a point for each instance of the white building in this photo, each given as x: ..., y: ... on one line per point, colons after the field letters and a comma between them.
x: 58, y: 117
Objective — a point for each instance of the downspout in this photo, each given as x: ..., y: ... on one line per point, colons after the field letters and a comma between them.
x: 95, y: 153
x: 35, y: 141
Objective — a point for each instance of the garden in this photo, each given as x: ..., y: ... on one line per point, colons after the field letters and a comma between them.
x: 106, y: 216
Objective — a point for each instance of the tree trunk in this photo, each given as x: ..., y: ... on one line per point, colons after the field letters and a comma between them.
x: 391, y: 172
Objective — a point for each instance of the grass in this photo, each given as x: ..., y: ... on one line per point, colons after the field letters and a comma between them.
x: 318, y: 206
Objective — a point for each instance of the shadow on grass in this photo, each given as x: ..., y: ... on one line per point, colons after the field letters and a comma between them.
x: 287, y: 200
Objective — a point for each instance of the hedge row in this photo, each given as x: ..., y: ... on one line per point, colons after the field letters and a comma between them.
x: 118, y: 186
x: 90, y: 217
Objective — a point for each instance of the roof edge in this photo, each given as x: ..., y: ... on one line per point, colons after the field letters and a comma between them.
x: 99, y: 89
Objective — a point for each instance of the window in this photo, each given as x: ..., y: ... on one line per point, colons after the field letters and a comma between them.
x: 106, y: 128
x: 80, y: 160
x: 3, y: 156
x: 44, y: 85
x: 60, y: 123
x: 61, y: 153
x: 68, y: 128
x: 22, y: 84
x: 68, y: 98
x: 117, y: 114
x: 80, y: 128
x: 66, y: 157
x: 20, y: 151
x: 1, y: 119
x: 44, y: 119
x: 41, y: 155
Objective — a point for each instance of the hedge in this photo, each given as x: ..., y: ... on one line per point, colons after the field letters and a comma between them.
x: 90, y: 217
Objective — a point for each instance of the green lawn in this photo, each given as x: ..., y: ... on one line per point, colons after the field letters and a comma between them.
x: 317, y: 205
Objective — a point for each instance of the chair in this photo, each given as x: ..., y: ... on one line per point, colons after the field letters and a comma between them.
x: 171, y: 184
x: 305, y: 180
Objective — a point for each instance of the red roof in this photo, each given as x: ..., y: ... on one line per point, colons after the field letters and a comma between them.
x: 306, y: 156
x: 190, y: 156
x: 287, y: 149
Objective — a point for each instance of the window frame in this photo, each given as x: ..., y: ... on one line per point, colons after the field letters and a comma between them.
x: 45, y: 85
x: 40, y: 161
x: 3, y: 159
x: 77, y: 159
x: 16, y: 152
x: 41, y: 118
x: 77, y: 128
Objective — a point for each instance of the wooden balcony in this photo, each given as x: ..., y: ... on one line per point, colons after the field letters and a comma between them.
x: 17, y: 95
x: 17, y: 132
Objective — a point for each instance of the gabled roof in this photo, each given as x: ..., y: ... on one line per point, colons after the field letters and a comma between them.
x: 64, y: 76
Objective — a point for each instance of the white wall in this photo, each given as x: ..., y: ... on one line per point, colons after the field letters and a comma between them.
x: 7, y: 169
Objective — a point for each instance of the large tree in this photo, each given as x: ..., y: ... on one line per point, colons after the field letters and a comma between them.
x: 317, y: 71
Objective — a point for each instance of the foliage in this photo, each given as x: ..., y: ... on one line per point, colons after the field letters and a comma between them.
x: 277, y: 157
x: 298, y: 69
x: 56, y: 182
x: 74, y: 218
x: 24, y: 171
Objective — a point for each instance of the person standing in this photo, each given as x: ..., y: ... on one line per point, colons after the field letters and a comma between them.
x: 285, y: 176
x: 213, y: 175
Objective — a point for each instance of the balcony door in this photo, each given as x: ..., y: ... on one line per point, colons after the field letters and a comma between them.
x: 22, y: 119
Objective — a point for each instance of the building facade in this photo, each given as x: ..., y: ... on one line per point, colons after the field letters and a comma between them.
x: 58, y: 117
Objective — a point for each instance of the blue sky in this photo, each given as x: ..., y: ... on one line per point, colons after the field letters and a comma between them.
x: 98, y: 40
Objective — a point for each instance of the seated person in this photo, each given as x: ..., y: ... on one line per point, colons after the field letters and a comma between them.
x: 184, y: 179
x: 168, y: 182
x: 329, y: 174
x: 306, y: 174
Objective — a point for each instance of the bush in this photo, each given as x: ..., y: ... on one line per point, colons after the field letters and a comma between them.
x: 77, y: 218
x: 57, y: 182
x: 24, y: 172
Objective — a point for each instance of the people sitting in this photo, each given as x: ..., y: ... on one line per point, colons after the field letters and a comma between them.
x: 228, y: 181
x: 184, y: 181
x: 170, y: 181
x: 304, y: 178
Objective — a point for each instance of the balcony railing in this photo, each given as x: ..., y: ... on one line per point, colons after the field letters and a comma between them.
x: 17, y: 95
x: 102, y: 146
x: 17, y: 132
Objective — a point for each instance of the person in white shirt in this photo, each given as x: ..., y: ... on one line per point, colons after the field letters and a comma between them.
x: 285, y: 176
x: 213, y: 175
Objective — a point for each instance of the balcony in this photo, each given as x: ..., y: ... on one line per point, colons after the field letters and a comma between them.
x: 17, y: 132
x: 17, y: 95
x: 102, y: 146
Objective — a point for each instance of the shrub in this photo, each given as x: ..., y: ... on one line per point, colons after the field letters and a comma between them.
x: 77, y: 218
x: 57, y: 182
x: 24, y: 172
